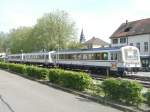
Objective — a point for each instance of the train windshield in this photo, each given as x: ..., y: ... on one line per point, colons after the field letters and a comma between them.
x: 131, y: 54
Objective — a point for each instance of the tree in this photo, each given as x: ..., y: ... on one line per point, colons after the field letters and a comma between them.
x: 54, y: 30
x: 3, y: 39
x: 75, y: 45
x: 19, y: 40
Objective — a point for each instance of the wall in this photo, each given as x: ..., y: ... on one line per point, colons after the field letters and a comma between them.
x: 137, y: 39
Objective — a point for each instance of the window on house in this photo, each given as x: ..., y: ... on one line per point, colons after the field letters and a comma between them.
x: 127, y: 29
x: 115, y: 41
x: 146, y: 46
x: 131, y: 44
x: 138, y: 46
x: 122, y: 40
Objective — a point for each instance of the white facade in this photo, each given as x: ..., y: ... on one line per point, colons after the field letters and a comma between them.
x: 133, y: 40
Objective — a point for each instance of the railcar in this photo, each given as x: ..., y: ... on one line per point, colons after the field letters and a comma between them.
x: 119, y: 60
x: 115, y: 59
x: 31, y: 58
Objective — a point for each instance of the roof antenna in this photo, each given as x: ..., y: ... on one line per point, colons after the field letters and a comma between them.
x: 126, y: 22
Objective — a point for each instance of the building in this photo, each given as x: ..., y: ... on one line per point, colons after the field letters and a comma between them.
x: 135, y: 33
x: 96, y: 43
x: 82, y: 37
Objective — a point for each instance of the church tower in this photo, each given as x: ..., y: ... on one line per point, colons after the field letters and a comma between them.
x: 82, y: 37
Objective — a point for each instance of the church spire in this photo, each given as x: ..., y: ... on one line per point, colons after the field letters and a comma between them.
x: 82, y: 37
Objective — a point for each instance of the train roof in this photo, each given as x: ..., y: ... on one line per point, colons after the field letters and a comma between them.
x: 91, y: 50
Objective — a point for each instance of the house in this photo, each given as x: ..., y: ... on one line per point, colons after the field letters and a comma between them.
x: 134, y: 33
x: 96, y: 43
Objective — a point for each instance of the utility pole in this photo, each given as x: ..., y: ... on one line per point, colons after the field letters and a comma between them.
x: 21, y: 56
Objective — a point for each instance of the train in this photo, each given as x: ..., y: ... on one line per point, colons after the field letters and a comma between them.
x: 119, y: 60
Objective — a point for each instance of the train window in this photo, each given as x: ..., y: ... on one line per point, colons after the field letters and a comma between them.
x: 131, y: 54
x: 69, y: 56
x: 90, y: 56
x: 114, y: 56
x: 54, y: 56
x: 97, y: 56
x: 61, y: 56
x: 119, y: 56
x: 85, y: 56
x: 105, y: 56
x: 75, y: 56
x: 46, y: 57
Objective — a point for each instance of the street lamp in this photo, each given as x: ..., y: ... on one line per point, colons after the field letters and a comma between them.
x: 21, y: 55
x: 57, y: 56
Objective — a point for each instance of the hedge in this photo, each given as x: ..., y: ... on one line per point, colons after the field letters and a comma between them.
x: 70, y: 79
x: 123, y: 90
x: 17, y: 68
x: 111, y: 87
x: 4, y: 65
x: 36, y: 72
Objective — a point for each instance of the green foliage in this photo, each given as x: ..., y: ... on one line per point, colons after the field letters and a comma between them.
x: 18, y: 68
x: 111, y: 88
x: 131, y: 92
x: 3, y: 43
x: 4, y: 65
x: 54, y: 75
x: 52, y: 29
x: 75, y: 45
x: 19, y: 39
x: 123, y: 90
x: 36, y: 72
x: 70, y: 79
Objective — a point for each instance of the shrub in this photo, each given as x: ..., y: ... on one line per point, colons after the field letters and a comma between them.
x: 54, y: 75
x: 123, y: 90
x: 111, y: 88
x: 131, y: 92
x: 4, y: 65
x: 36, y: 72
x: 17, y: 68
x: 76, y: 80
x: 70, y: 79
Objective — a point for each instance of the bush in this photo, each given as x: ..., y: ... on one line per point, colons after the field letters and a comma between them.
x: 148, y: 97
x: 54, y: 75
x: 70, y: 79
x: 123, y: 90
x: 17, y: 68
x: 4, y: 65
x: 111, y: 88
x: 131, y: 92
x: 36, y: 72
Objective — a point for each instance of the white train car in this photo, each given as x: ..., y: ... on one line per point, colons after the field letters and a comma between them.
x: 31, y: 58
x: 115, y: 59
x: 38, y: 58
x: 15, y: 58
x: 118, y: 59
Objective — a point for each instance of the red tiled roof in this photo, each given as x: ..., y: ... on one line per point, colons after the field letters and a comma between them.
x: 132, y: 28
x: 96, y: 41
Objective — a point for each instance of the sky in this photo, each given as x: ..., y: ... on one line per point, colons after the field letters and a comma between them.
x: 98, y: 18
